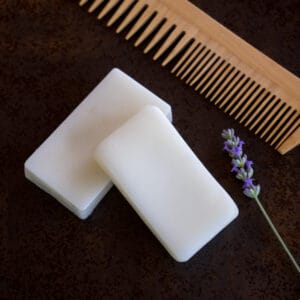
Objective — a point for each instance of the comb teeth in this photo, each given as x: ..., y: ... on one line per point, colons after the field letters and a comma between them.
x: 155, y: 23
x: 133, y: 13
x: 186, y: 57
x: 107, y: 8
x: 95, y: 5
x: 211, y: 76
x: 146, y: 15
x: 166, y: 28
x: 233, y: 75
x: 200, y: 54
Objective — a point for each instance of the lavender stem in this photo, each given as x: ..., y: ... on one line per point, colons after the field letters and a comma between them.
x: 293, y: 260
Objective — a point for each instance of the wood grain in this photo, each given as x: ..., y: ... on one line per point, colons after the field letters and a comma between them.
x: 180, y: 23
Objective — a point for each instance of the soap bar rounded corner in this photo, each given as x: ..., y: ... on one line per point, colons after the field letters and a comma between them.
x: 153, y: 109
x: 236, y: 211
x: 166, y: 114
x: 82, y: 215
x: 182, y: 259
x: 170, y: 114
x: 26, y: 170
x: 116, y: 70
x: 178, y: 255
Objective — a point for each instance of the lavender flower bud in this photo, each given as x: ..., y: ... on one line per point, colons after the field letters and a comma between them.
x: 228, y: 134
x: 250, y: 172
x: 240, y: 162
x: 235, y: 152
x: 236, y: 141
x: 253, y: 191
x: 226, y: 147
x: 248, y: 182
x: 242, y: 174
x: 248, y: 192
x: 230, y: 143
x: 249, y: 163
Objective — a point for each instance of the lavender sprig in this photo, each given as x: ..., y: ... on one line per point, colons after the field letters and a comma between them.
x: 242, y: 167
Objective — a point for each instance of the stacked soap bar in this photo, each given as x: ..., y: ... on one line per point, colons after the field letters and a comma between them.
x: 122, y: 132
x: 64, y: 165
x: 166, y: 184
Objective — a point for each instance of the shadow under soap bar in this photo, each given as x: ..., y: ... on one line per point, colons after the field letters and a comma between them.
x: 166, y: 184
x: 64, y: 164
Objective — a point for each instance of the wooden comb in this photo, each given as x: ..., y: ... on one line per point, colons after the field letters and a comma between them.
x: 231, y: 73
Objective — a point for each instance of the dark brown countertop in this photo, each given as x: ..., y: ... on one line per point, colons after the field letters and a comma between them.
x: 52, y: 54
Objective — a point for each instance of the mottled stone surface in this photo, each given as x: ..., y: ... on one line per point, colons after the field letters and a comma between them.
x: 52, y: 53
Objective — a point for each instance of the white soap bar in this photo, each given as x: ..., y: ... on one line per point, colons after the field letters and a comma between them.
x: 166, y: 184
x: 64, y: 164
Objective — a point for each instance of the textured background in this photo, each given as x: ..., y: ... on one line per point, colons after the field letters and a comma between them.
x: 52, y: 53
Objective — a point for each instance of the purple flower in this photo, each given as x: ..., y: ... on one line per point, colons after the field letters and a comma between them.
x: 234, y: 169
x: 241, y: 143
x: 240, y: 163
x: 226, y: 148
x: 248, y: 164
x: 236, y: 151
x: 247, y: 182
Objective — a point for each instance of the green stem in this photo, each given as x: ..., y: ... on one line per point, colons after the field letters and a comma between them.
x: 286, y: 249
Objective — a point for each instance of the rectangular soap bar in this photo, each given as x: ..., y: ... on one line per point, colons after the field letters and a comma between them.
x: 64, y: 164
x: 166, y: 184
